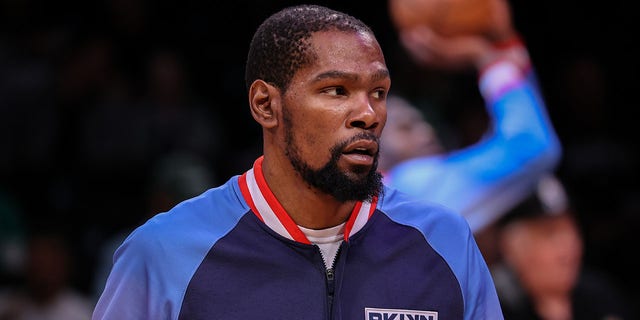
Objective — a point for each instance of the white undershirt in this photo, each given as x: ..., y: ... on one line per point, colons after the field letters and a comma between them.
x: 328, y: 240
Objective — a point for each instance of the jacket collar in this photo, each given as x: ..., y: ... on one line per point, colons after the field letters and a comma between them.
x: 266, y: 207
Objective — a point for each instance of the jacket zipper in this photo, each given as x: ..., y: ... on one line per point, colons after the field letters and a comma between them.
x: 331, y: 283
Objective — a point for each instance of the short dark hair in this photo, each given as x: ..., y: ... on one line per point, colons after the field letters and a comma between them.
x: 280, y: 46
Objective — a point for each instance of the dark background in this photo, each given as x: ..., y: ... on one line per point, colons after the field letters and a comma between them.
x: 82, y: 124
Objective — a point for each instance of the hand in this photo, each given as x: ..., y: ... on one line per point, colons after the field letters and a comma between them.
x: 502, y: 27
x: 429, y: 49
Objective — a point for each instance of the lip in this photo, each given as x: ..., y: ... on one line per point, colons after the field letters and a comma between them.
x: 361, y: 152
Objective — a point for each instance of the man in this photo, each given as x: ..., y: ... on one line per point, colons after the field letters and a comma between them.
x: 486, y: 179
x: 543, y: 275
x: 46, y: 291
x: 310, y: 232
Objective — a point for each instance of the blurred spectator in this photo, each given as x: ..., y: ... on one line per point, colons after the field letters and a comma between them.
x: 542, y: 274
x: 174, y: 178
x: 129, y: 129
x: 179, y: 119
x: 12, y: 239
x: 46, y: 292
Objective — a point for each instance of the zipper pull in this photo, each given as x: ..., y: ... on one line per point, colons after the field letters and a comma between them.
x: 330, y: 274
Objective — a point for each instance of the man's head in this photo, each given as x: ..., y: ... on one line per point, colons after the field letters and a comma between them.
x: 541, y: 241
x: 317, y: 83
x: 407, y: 134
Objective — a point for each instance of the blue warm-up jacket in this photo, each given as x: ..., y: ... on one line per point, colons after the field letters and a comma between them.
x: 234, y: 253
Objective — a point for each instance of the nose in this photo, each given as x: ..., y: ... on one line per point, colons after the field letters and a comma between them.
x: 366, y: 114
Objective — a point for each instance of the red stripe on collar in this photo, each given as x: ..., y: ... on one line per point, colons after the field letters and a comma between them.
x: 266, y: 207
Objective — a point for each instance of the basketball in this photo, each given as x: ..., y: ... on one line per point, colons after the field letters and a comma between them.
x: 447, y: 17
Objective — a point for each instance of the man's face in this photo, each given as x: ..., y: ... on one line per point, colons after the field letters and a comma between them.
x: 407, y: 134
x: 333, y: 115
x: 546, y: 252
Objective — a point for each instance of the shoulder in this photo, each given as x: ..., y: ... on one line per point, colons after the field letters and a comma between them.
x: 444, y: 229
x: 201, y: 219
x: 449, y: 234
x: 427, y: 216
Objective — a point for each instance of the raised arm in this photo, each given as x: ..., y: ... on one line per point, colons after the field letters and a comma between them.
x: 484, y: 180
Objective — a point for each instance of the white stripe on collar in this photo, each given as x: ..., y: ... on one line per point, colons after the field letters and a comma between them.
x: 267, y: 208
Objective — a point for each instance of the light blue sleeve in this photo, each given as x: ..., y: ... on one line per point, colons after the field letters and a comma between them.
x: 486, y: 179
x: 480, y: 296
x: 465, y: 259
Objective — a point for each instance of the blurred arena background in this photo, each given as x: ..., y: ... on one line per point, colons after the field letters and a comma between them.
x: 112, y: 110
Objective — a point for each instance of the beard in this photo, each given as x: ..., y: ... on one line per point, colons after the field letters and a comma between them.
x: 360, y: 183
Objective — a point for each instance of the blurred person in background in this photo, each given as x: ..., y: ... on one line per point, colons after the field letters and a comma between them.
x: 12, y: 239
x: 542, y: 274
x: 484, y: 180
x: 45, y: 291
x: 174, y: 178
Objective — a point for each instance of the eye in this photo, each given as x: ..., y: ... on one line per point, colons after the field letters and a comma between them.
x: 379, y: 94
x: 335, y: 91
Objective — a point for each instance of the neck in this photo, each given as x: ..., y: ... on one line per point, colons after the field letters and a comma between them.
x: 307, y: 206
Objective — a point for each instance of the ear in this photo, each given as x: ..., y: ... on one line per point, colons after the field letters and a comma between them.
x: 264, y: 100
